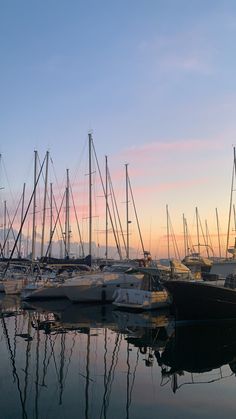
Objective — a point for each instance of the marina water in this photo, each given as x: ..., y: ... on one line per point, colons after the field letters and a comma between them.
x: 63, y: 360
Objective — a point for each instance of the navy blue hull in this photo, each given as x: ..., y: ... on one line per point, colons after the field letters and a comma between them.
x: 198, y: 300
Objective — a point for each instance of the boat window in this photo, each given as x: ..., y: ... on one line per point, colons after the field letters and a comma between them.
x: 156, y: 285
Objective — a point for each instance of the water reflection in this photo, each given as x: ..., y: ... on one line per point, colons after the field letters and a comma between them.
x: 91, y: 361
x: 198, y: 349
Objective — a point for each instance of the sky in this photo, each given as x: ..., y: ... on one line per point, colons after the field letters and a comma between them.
x: 154, y: 81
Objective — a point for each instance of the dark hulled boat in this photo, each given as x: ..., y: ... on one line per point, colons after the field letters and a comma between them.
x: 195, y: 300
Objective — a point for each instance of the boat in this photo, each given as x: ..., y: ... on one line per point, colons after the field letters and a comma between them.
x: 42, y: 289
x: 198, y: 264
x: 150, y: 295
x: 48, y: 284
x: 223, y: 268
x: 98, y: 287
x: 198, y: 299
x: 227, y: 266
x: 16, y: 277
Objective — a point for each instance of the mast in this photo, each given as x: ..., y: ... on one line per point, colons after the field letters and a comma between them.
x: 4, y: 226
x: 168, y: 232
x: 34, y: 206
x: 137, y: 220
x: 115, y: 232
x: 230, y: 203
x: 127, y: 211
x: 106, y: 198
x: 218, y: 232
x: 115, y: 224
x: 24, y: 218
x: 77, y: 222
x: 185, y: 236
x: 207, y: 239
x: 67, y: 223
x: 198, y: 242
x: 90, y: 193
x: 27, y: 241
x: 22, y: 215
x: 44, y: 203
x: 50, y: 245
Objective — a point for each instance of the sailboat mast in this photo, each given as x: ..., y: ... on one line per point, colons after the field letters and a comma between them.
x: 185, y: 236
x: 44, y: 203
x: 34, y: 206
x: 106, y: 198
x: 218, y: 232
x: 207, y: 239
x: 198, y: 242
x: 22, y: 215
x: 136, y: 216
x: 4, y: 226
x: 113, y: 224
x: 168, y: 232
x: 50, y: 245
x: 127, y: 211
x: 230, y: 204
x: 67, y: 216
x: 90, y: 193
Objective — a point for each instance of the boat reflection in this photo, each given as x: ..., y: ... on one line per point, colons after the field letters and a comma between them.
x: 94, y: 360
x: 201, y: 349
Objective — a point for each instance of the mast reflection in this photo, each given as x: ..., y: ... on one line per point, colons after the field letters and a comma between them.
x: 92, y: 358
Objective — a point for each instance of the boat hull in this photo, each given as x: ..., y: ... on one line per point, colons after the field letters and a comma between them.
x: 87, y: 293
x: 199, y: 300
x: 223, y: 268
x: 99, y: 287
x: 34, y: 292
x: 137, y: 299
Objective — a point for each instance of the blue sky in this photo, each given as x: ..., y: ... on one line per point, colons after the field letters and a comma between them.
x: 150, y: 78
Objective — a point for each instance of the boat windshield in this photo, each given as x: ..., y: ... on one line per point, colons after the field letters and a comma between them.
x: 151, y: 283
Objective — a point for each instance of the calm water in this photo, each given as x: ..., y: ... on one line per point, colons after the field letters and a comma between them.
x: 70, y: 361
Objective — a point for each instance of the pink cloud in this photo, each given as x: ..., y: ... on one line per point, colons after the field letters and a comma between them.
x: 182, y: 145
x: 167, y: 186
x: 150, y: 151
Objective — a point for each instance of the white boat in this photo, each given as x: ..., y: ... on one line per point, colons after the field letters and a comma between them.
x: 98, y: 287
x: 149, y: 296
x: 16, y: 277
x: 223, y: 268
x: 48, y: 285
x: 42, y: 289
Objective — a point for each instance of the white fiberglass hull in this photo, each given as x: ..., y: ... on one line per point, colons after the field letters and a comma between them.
x: 42, y: 291
x: 223, y: 268
x: 141, y: 299
x: 99, y: 287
